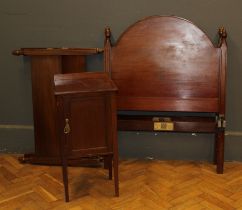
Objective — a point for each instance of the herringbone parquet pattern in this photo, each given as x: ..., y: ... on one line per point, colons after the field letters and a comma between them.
x: 150, y: 185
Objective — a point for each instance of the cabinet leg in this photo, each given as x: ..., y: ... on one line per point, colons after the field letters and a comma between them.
x: 220, y: 151
x: 106, y: 162
x: 65, y: 178
x: 215, y: 149
x: 116, y: 178
x: 110, y: 167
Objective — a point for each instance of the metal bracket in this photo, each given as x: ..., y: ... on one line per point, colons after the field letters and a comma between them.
x: 221, y: 122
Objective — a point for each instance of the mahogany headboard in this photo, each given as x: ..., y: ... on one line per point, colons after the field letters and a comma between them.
x: 166, y: 63
x: 168, y: 66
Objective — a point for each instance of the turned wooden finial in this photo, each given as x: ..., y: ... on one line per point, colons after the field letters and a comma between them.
x: 222, y: 32
x: 107, y: 50
x: 107, y: 33
x: 17, y: 52
x: 222, y: 36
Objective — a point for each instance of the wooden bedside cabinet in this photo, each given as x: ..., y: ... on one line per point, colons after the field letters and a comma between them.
x: 86, y: 119
x: 45, y: 62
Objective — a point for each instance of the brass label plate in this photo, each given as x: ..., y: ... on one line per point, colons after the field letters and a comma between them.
x: 163, y: 126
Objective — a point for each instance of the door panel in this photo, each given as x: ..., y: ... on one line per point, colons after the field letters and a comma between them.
x: 88, y: 122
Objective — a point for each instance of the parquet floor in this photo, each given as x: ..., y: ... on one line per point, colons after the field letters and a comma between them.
x: 150, y: 185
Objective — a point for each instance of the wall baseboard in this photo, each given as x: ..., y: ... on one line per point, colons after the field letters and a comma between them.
x: 164, y: 146
x: 31, y: 127
x: 21, y: 127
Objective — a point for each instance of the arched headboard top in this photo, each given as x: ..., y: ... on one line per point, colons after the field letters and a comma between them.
x: 180, y: 25
x: 166, y: 63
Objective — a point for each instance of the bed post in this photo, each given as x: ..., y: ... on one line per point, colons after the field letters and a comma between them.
x: 107, y: 50
x: 108, y: 160
x: 221, y: 122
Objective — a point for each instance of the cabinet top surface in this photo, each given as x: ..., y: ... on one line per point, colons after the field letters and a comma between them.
x: 56, y: 51
x: 85, y: 82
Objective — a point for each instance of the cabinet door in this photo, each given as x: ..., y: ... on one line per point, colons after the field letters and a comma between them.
x: 89, y: 118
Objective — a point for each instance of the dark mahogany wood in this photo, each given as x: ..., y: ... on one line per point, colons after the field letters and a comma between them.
x: 167, y: 64
x: 45, y: 62
x: 181, y: 124
x: 86, y: 120
x: 56, y: 51
x: 170, y: 60
x: 73, y: 64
